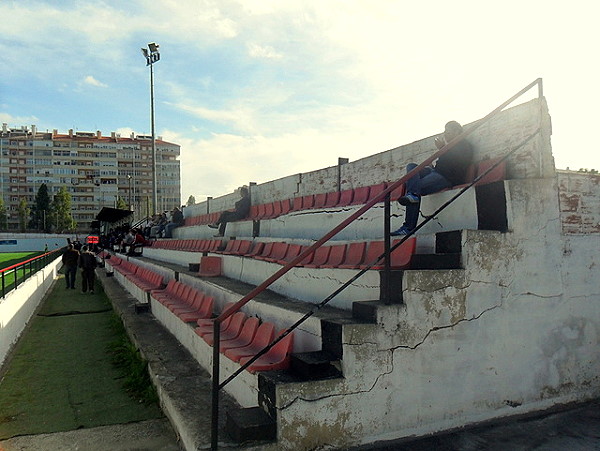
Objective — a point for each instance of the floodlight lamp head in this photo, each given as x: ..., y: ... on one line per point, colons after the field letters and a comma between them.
x: 145, y: 52
x: 153, y: 46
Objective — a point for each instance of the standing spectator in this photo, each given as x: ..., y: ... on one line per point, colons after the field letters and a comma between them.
x: 176, y: 221
x: 70, y: 259
x: 241, y: 210
x: 87, y: 263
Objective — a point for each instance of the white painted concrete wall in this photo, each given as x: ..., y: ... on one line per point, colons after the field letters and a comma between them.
x: 516, y: 331
x: 17, y: 308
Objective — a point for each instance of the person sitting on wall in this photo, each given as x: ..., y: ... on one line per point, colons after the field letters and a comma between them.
x: 176, y: 221
x: 241, y: 210
x: 449, y: 170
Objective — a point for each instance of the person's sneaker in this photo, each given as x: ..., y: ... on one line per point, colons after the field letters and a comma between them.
x: 409, y: 198
x: 92, y: 292
x: 401, y: 231
x: 213, y: 226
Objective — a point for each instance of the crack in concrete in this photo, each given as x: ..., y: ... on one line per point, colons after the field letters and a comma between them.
x: 337, y: 395
x: 547, y: 296
x: 376, y: 380
x: 449, y: 326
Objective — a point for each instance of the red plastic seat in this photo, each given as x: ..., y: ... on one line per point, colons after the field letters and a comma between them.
x: 285, y: 206
x: 332, y: 199
x: 276, y: 358
x: 269, y: 208
x: 292, y: 252
x: 495, y: 175
x: 203, y: 311
x: 308, y: 259
x: 210, y: 266
x: 308, y: 201
x: 346, y: 198
x: 336, y: 256
x: 228, y: 247
x: 361, y: 195
x: 266, y: 251
x: 355, y: 255
x: 320, y: 257
x: 297, y: 204
x: 278, y: 252
x: 374, y: 250
x: 261, y: 211
x: 320, y: 200
x: 264, y: 336
x: 209, y: 321
x: 256, y: 249
x: 401, y: 256
x: 253, y: 212
x: 193, y: 306
x: 375, y: 190
x: 244, y: 338
x: 232, y: 330
x: 276, y: 209
x: 397, y: 193
x: 209, y: 328
x: 244, y: 247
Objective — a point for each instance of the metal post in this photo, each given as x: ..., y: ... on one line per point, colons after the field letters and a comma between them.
x: 214, y: 433
x: 154, y: 184
x: 387, y: 259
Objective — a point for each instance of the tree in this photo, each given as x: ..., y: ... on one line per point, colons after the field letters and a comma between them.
x: 3, y: 216
x: 121, y: 203
x: 41, y: 210
x: 24, y: 212
x: 61, y: 211
x: 191, y: 201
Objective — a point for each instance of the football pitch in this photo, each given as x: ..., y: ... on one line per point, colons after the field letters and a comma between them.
x: 9, y: 259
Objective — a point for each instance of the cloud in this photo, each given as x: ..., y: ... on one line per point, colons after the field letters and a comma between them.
x: 90, y: 80
x: 266, y: 52
x: 17, y: 121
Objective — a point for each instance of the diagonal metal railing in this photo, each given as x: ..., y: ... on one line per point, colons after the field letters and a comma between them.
x: 385, y: 196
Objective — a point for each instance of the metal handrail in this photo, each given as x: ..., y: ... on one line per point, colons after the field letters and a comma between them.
x: 29, y: 264
x: 384, y: 195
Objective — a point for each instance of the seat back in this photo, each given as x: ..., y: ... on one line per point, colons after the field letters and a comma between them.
x: 210, y: 266
x: 361, y: 195
x: 355, y: 253
x: 320, y: 200
x: 374, y: 250
x: 279, y: 250
x: 336, y: 256
x: 321, y: 256
x: 346, y: 198
x: 264, y: 335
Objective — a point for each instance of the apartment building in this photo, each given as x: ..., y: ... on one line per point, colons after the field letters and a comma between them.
x: 95, y: 169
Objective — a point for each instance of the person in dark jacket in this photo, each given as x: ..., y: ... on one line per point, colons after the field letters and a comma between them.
x: 176, y: 221
x: 87, y: 263
x: 450, y: 169
x: 70, y: 260
x: 241, y: 210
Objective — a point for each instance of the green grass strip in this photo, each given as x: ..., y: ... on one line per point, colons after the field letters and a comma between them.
x: 61, y: 376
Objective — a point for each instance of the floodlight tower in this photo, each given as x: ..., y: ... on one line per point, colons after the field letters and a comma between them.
x: 152, y: 56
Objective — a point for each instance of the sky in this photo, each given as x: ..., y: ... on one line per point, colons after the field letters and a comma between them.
x: 255, y: 90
